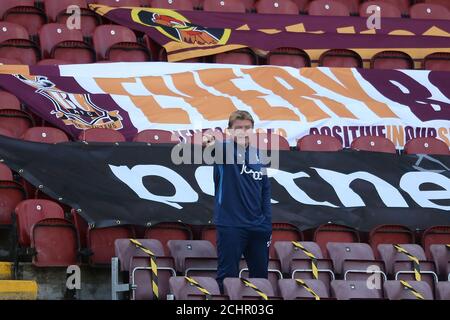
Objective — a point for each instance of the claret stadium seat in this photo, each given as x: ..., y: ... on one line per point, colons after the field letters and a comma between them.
x: 15, y: 44
x: 288, y: 57
x: 429, y: 11
x: 391, y: 60
x: 156, y: 136
x: 374, y: 144
x: 101, y: 135
x: 9, y: 101
x: 328, y: 8
x: 59, y: 42
x: 348, y: 290
x: 276, y: 7
x: 183, y: 289
x: 166, y: 231
x: 23, y: 12
x: 185, y: 5
x: 296, y: 289
x: 389, y: 233
x: 45, y: 135
x: 427, y: 145
x: 318, y: 142
x: 386, y: 9
x: 236, y: 289
x: 334, y: 233
x: 224, y: 6
x: 438, y: 61
x: 57, y: 12
x: 435, y: 235
x: 118, y: 43
x: 340, y: 58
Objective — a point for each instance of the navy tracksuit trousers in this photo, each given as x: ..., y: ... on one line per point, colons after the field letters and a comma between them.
x: 233, y: 242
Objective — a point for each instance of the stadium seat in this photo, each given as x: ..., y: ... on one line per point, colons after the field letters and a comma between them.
x: 276, y: 7
x: 426, y: 146
x: 440, y: 255
x: 59, y: 42
x: 444, y: 3
x: 401, y: 266
x: 328, y: 8
x: 181, y: 250
x: 389, y: 234
x: 348, y: 290
x: 141, y: 277
x: 386, y: 9
x: 11, y: 194
x: 100, y: 242
x: 443, y: 290
x: 237, y: 290
x: 6, y: 133
x: 288, y: 57
x: 101, y: 135
x: 45, y: 135
x: 224, y: 6
x: 185, y: 5
x: 198, y: 137
x: 353, y: 260
x: 429, y: 11
x: 23, y: 12
x: 352, y: 5
x: 284, y: 232
x: 162, y: 54
x: 274, y: 273
x: 402, y: 5
x: 340, y: 58
x: 118, y: 43
x: 240, y: 56
x: 435, y: 235
x: 438, y: 61
x: 273, y: 141
x: 169, y: 231
x: 334, y: 233
x: 182, y: 289
x: 125, y: 252
x: 119, y: 3
x: 290, y: 289
x: 374, y: 144
x: 400, y: 290
x: 391, y: 60
x: 51, y: 62
x: 54, y: 243
x: 285, y: 251
x: 15, y: 121
x: 6, y: 61
x: 15, y: 44
x: 156, y: 136
x: 319, y: 142
x: 302, y: 5
x: 57, y: 12
x: 9, y: 101
x: 30, y: 212
x: 208, y: 233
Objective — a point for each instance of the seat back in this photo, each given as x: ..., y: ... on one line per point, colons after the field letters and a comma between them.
x: 224, y: 6
x: 391, y: 60
x: 328, y: 8
x: 395, y: 290
x: 389, y: 234
x: 374, y: 143
x: 182, y: 249
x: 438, y: 61
x: 11, y: 194
x: 55, y: 242
x: 429, y: 11
x: 101, y: 135
x: 45, y: 135
x: 156, y: 136
x: 289, y: 57
x: 237, y: 290
x: 427, y: 145
x: 386, y: 9
x: 100, y: 241
x: 347, y: 290
x: 182, y: 289
x: 340, y: 58
x: 334, y: 233
x: 340, y: 252
x: 31, y: 211
x: 318, y: 142
x: 168, y: 231
x: 124, y: 249
x: 290, y: 289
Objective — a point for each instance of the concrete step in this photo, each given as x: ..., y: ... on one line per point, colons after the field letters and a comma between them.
x: 18, y: 290
x: 6, y: 270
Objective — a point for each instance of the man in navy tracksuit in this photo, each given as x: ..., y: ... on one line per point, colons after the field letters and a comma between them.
x: 242, y: 213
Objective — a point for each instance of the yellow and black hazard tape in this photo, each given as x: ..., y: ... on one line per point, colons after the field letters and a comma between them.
x: 255, y: 288
x: 309, y: 254
x: 153, y: 266
x: 409, y: 287
x: 414, y: 259
x: 199, y: 287
x: 308, y: 288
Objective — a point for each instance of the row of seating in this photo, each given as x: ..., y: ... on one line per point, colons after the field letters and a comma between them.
x: 33, y: 15
x: 113, y: 43
x: 293, y: 259
x: 297, y: 289
x: 18, y: 124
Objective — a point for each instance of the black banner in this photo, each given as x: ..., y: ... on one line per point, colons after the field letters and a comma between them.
x: 134, y: 183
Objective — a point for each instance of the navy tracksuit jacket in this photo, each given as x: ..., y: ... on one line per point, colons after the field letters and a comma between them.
x: 242, y: 211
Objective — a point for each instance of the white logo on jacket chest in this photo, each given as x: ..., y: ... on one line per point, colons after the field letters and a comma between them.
x: 256, y: 175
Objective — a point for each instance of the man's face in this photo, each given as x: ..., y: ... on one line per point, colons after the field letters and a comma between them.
x: 240, y: 131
